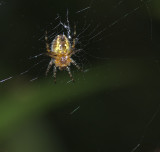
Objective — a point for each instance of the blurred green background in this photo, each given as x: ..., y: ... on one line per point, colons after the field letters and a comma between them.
x: 112, y: 105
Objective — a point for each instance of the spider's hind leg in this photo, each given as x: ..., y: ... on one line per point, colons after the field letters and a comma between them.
x: 47, y: 44
x: 74, y: 38
x: 70, y: 74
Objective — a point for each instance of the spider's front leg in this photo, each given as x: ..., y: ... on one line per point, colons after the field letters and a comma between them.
x: 54, y: 73
x: 49, y: 66
x: 70, y: 74
x: 75, y: 64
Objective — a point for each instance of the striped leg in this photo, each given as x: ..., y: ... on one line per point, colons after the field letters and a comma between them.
x: 49, y: 66
x: 70, y: 74
x: 47, y: 45
x: 54, y: 73
x: 77, y: 66
x: 74, y: 37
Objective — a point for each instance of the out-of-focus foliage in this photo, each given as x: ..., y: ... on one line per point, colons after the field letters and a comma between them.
x: 16, y: 106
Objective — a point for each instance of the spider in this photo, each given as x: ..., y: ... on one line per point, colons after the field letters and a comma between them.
x: 60, y: 51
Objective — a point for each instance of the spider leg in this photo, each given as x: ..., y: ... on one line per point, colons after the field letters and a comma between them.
x: 74, y: 37
x: 49, y: 66
x: 74, y: 52
x: 70, y: 74
x: 47, y: 45
x: 77, y: 66
x: 54, y: 73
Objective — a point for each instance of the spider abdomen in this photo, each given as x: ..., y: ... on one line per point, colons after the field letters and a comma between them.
x: 61, y: 44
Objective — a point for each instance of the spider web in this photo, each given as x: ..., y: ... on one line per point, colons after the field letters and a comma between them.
x: 93, y: 33
x: 91, y: 37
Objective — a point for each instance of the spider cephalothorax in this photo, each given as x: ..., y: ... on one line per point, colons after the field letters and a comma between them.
x: 60, y: 53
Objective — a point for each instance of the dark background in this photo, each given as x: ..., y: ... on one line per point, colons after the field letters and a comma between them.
x: 126, y: 56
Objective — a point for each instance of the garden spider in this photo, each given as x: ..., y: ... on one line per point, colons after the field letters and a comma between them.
x: 60, y: 53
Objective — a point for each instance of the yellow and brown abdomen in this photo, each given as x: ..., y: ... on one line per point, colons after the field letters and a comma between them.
x: 61, y: 45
